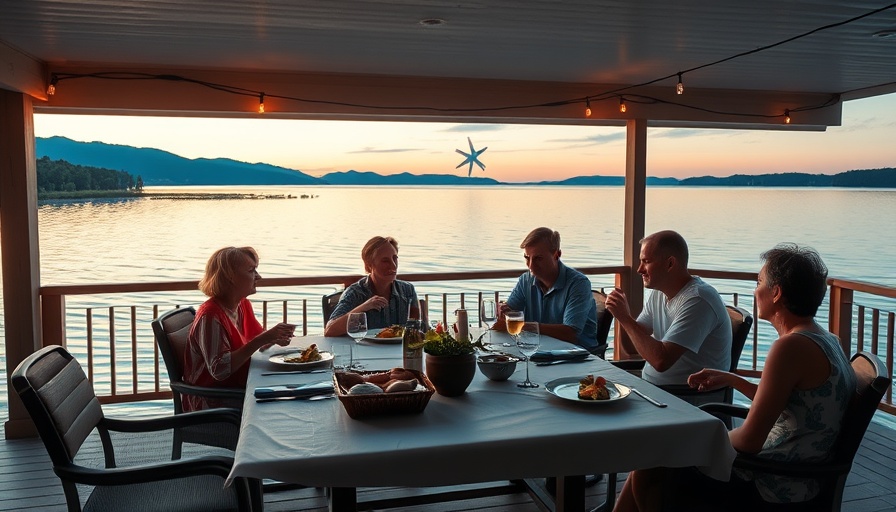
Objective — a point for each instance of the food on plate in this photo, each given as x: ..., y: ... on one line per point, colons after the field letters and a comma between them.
x: 393, y: 331
x: 308, y: 355
x: 397, y: 386
x: 365, y: 388
x: 593, y: 388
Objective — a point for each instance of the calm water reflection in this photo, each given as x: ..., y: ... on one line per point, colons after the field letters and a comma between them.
x: 450, y: 229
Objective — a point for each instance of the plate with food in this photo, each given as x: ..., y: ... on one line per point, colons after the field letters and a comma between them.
x: 588, y: 390
x: 388, y: 335
x: 300, y: 358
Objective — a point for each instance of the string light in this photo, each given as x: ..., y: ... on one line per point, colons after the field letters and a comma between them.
x: 787, y: 116
x: 51, y: 89
x: 587, y: 107
x: 679, y: 89
x: 622, y: 104
x: 261, y: 103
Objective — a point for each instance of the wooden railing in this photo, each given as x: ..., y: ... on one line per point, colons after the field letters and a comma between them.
x: 131, y: 376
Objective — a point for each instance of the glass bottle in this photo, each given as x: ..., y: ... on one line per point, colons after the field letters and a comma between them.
x: 412, y: 345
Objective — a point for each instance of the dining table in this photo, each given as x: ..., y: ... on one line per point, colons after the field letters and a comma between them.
x: 495, y: 431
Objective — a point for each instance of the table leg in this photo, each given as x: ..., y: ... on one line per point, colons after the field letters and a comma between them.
x: 343, y: 499
x: 570, y: 494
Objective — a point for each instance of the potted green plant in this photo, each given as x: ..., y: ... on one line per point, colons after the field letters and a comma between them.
x: 450, y: 362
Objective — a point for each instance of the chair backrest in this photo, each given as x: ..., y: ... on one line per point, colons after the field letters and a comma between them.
x: 328, y: 304
x: 741, y: 322
x: 60, y: 400
x: 872, y: 381
x: 171, y: 330
x: 604, y: 320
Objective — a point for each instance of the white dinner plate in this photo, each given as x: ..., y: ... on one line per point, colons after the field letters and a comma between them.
x: 371, y: 337
x: 567, y: 388
x: 325, y: 359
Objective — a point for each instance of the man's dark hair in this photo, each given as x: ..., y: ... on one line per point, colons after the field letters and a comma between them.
x: 669, y: 243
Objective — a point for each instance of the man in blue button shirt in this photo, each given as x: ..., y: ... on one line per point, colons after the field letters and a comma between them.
x: 557, y: 297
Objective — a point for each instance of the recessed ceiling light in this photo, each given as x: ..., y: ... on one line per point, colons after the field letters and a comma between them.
x: 432, y: 22
x: 885, y: 34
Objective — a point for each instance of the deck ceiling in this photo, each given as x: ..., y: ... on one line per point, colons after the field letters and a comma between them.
x: 486, y: 55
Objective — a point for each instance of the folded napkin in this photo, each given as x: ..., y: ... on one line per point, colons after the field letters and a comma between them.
x: 323, y: 387
x: 566, y: 354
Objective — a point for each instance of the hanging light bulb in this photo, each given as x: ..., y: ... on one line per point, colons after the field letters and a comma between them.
x: 679, y: 89
x: 51, y: 89
x: 261, y: 103
x: 787, y: 116
x: 587, y: 107
x: 622, y: 104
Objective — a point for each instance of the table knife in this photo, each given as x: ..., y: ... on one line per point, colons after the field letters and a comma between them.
x: 294, y: 372
x: 645, y: 397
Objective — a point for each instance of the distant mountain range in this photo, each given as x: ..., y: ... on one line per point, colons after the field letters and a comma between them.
x: 158, y: 167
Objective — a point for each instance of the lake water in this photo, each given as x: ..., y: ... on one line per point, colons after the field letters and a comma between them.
x: 449, y: 229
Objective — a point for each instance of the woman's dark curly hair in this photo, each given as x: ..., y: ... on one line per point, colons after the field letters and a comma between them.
x: 801, y: 275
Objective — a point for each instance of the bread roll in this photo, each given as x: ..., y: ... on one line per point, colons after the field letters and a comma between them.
x: 401, y: 385
x: 365, y: 388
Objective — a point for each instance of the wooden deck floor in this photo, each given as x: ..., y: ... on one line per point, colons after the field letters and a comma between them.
x: 27, y: 483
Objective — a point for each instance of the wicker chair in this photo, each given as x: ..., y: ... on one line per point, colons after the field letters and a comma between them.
x: 604, y: 321
x: 63, y: 406
x: 328, y: 304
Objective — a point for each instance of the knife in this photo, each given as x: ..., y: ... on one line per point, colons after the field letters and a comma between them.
x: 294, y: 372
x: 645, y: 397
x: 561, y: 361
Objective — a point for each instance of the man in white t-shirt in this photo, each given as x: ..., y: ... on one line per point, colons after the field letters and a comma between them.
x: 684, y: 326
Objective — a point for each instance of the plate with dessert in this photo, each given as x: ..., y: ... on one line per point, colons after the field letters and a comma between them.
x: 302, y: 357
x: 588, y: 390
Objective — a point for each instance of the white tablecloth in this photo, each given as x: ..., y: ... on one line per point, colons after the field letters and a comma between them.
x: 496, y: 431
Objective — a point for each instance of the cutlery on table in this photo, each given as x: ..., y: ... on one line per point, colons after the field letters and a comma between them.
x: 311, y: 398
x: 645, y: 397
x: 294, y: 372
x: 561, y: 361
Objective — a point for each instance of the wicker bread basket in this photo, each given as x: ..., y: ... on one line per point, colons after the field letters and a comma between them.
x: 403, y: 402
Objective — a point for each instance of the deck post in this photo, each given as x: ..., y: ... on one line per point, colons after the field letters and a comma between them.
x: 635, y: 201
x: 19, y: 245
x: 840, y: 317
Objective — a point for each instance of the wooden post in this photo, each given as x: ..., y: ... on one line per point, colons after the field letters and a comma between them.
x: 19, y: 245
x: 635, y: 203
x: 840, y: 318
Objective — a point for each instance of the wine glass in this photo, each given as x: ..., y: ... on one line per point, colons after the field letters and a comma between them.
x: 488, y: 314
x: 515, y: 320
x: 528, y: 341
x: 357, y: 326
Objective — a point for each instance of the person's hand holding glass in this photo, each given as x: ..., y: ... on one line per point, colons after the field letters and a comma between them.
x: 528, y: 339
x: 356, y: 326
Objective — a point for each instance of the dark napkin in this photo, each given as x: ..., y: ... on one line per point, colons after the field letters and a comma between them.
x: 323, y: 387
x: 566, y: 354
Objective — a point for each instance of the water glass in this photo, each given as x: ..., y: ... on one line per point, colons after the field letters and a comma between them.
x: 356, y: 326
x: 342, y: 356
x: 488, y: 315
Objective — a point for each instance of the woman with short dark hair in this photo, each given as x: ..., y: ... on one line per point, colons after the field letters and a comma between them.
x: 798, y: 404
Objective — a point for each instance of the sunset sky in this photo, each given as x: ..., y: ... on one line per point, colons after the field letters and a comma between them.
x: 516, y: 153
